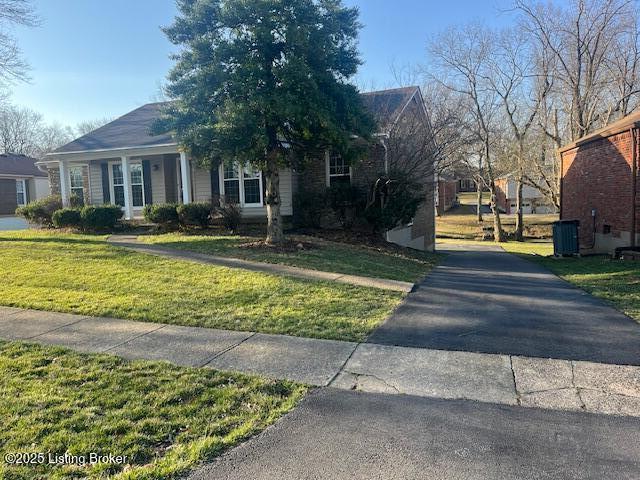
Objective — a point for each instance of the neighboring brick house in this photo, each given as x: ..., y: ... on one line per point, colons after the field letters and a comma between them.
x: 446, y: 194
x: 599, y: 186
x: 20, y: 182
x: 533, y: 200
x: 122, y: 163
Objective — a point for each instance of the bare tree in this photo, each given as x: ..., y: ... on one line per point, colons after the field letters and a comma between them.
x: 23, y: 131
x: 581, y: 38
x: 462, y: 59
x: 514, y: 78
x: 14, y: 12
x: 89, y: 126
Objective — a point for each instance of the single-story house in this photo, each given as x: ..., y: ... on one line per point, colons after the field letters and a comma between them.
x: 533, y: 200
x: 21, y: 181
x: 124, y: 164
x: 467, y: 185
x: 599, y: 186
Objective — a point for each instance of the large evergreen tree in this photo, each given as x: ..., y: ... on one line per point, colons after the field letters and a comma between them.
x: 263, y: 82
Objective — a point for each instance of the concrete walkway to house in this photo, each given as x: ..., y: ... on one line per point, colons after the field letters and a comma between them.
x: 131, y: 242
x: 489, y: 378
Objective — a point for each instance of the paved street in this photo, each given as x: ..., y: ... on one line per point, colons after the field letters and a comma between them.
x: 493, y: 302
x: 336, y: 434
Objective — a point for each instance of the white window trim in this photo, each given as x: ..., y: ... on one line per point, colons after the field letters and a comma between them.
x: 112, y: 195
x: 71, y: 187
x: 327, y: 165
x: 239, y: 171
x: 23, y: 182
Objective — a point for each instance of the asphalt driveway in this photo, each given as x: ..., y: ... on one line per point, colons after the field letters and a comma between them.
x: 493, y: 302
x: 336, y: 434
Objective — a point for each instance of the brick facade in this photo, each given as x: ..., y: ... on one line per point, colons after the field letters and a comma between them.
x: 597, y: 178
x: 447, y: 194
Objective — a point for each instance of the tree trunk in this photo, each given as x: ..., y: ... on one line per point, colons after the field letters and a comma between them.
x: 479, y: 206
x: 275, y: 233
x: 519, y: 216
x: 498, y: 233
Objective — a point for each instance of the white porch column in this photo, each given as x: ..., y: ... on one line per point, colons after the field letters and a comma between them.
x: 185, y: 174
x: 64, y: 182
x: 126, y: 181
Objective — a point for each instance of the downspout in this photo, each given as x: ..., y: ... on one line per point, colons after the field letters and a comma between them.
x: 634, y: 181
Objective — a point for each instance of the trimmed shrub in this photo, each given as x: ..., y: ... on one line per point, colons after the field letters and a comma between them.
x: 76, y: 201
x: 66, y: 218
x: 309, y: 208
x: 231, y: 216
x: 345, y: 200
x: 103, y: 217
x: 163, y: 214
x: 41, y: 211
x: 393, y: 202
x: 194, y: 214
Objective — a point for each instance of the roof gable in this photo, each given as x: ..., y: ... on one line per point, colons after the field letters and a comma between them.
x: 130, y: 130
x: 386, y: 106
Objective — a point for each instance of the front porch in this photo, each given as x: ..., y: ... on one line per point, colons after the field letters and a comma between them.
x: 155, y: 175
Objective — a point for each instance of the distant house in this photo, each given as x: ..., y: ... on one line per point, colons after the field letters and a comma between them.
x: 122, y: 163
x: 467, y: 185
x: 533, y: 200
x: 446, y: 194
x: 599, y: 186
x: 21, y: 182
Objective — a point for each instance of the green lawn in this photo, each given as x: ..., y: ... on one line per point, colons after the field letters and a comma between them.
x: 404, y: 265
x: 615, y: 281
x: 164, y: 419
x: 85, y: 275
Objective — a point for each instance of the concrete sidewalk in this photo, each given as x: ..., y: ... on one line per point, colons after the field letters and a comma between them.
x: 490, y: 378
x: 131, y: 242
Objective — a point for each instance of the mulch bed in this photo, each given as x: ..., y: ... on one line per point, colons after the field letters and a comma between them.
x: 289, y: 246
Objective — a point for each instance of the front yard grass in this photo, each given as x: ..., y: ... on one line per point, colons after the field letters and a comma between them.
x: 403, y: 265
x: 85, y: 275
x: 615, y: 281
x: 164, y: 419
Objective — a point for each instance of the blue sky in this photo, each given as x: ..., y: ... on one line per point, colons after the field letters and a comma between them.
x: 102, y: 58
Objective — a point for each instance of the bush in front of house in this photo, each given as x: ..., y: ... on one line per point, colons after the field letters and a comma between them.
x: 309, y: 207
x: 393, y: 201
x: 100, y: 217
x: 346, y: 201
x: 194, y: 214
x: 40, y: 212
x: 231, y: 216
x: 163, y: 214
x: 67, y: 218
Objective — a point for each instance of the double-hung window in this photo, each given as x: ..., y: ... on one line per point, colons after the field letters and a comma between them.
x: 137, y: 185
x: 242, y: 185
x: 118, y: 184
x: 77, y: 183
x: 21, y: 192
x: 338, y: 171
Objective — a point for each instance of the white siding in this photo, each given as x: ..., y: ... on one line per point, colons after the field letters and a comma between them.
x: 286, y: 196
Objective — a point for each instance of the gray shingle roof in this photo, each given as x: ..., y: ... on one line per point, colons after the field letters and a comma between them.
x: 133, y: 129
x: 20, y: 165
x: 386, y: 105
x: 130, y: 130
